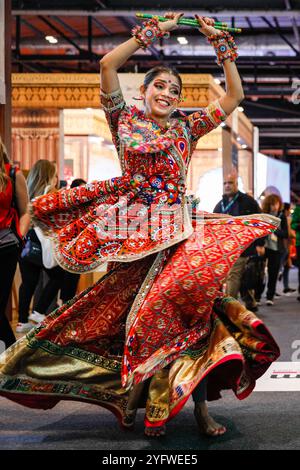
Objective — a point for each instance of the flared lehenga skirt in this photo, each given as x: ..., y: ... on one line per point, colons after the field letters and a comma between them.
x: 161, y: 319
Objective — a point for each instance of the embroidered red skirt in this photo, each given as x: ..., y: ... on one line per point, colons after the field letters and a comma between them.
x: 161, y: 319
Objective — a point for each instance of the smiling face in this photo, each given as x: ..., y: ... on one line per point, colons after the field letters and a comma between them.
x: 162, y: 96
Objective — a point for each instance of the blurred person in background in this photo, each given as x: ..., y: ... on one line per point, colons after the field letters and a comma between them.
x: 236, y: 203
x: 296, y: 226
x: 286, y: 262
x: 275, y: 243
x: 70, y: 280
x: 42, y: 179
x: 14, y: 224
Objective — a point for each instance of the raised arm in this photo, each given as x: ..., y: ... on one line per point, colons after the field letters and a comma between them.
x: 234, y: 90
x: 112, y: 61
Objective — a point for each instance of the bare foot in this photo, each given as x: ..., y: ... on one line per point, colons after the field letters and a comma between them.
x: 155, y: 431
x: 129, y: 418
x: 207, y: 425
x: 132, y: 406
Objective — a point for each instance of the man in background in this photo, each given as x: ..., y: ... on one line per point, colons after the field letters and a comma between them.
x: 236, y: 203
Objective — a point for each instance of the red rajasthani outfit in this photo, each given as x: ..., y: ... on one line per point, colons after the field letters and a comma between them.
x: 8, y: 213
x: 160, y: 304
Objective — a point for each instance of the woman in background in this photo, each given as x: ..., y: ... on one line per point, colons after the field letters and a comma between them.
x: 42, y: 179
x: 275, y: 243
x: 286, y: 261
x: 14, y: 224
x: 70, y: 280
x: 296, y: 226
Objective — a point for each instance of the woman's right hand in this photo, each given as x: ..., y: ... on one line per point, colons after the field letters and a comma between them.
x: 206, y: 26
x: 172, y: 24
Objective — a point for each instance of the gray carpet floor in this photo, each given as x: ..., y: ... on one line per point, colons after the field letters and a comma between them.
x: 265, y: 420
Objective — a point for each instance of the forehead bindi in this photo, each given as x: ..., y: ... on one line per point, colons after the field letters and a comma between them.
x: 167, y: 79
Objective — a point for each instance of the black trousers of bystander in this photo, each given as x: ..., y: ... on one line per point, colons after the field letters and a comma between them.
x: 8, y: 264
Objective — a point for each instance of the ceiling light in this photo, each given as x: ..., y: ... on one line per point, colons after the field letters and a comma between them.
x: 182, y: 40
x: 51, y: 39
x: 244, y: 146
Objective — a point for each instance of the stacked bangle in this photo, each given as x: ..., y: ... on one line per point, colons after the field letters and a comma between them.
x: 147, y: 34
x: 224, y: 46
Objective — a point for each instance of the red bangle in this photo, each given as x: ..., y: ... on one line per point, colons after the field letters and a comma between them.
x: 147, y: 34
x: 224, y: 46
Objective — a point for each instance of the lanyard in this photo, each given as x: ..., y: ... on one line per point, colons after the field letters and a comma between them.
x: 226, y: 208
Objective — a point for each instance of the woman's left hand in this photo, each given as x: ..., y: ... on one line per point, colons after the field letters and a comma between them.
x: 207, y: 26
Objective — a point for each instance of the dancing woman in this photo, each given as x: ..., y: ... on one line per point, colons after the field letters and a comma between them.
x: 155, y: 329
